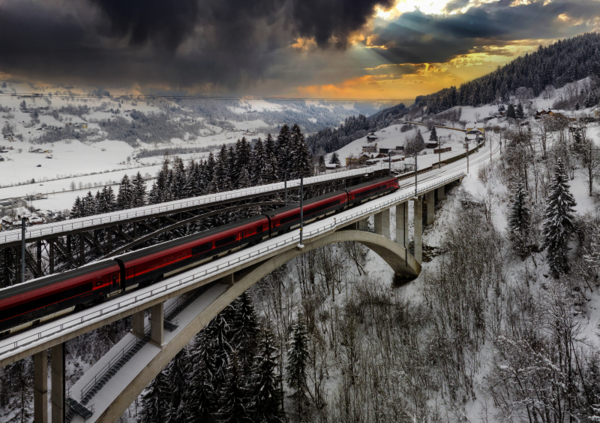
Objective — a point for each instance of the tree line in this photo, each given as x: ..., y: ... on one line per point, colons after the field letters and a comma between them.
x: 237, y: 167
x: 556, y: 65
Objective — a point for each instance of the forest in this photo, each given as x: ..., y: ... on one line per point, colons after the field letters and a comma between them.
x: 556, y: 65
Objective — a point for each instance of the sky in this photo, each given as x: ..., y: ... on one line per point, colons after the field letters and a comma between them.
x: 345, y: 49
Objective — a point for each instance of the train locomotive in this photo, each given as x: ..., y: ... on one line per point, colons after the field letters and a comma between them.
x: 39, y: 300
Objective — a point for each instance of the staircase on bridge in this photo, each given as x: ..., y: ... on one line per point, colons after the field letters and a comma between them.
x: 126, y: 354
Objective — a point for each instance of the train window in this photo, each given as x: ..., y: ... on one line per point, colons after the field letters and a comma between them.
x: 201, y: 248
x: 259, y: 229
x: 290, y: 218
x: 225, y: 241
x: 114, y: 279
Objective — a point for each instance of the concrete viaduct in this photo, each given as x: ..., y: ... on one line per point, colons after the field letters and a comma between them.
x: 198, y: 296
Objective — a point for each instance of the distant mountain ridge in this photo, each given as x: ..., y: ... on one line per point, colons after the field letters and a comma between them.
x: 558, y: 64
x: 353, y: 128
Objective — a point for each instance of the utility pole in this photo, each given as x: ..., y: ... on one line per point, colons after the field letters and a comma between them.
x: 416, y: 169
x: 301, y: 210
x: 390, y: 160
x: 467, y: 142
x: 439, y: 154
x: 23, y: 229
x: 285, y: 187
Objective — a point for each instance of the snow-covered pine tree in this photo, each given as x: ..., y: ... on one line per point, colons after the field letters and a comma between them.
x: 283, y: 151
x: 558, y: 222
x: 139, y: 191
x: 265, y: 393
x: 519, y: 113
x: 243, y: 154
x: 520, y: 215
x: 77, y: 209
x: 209, y: 171
x: 335, y: 159
x: 231, y: 163
x: 433, y: 136
x: 322, y: 165
x: 200, y: 397
x: 179, y: 182
x: 510, y: 112
x: 233, y: 397
x: 258, y: 163
x: 178, y: 372
x: 244, y: 331
x: 244, y: 179
x: 89, y: 205
x: 156, y: 400
x: 221, y: 171
x: 125, y: 196
x: 297, y: 362
x: 300, y: 159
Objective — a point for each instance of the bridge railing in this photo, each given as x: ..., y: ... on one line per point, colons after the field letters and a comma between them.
x: 209, y: 271
x: 85, y: 222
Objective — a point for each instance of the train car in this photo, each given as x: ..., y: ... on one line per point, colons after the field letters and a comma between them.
x: 287, y: 218
x: 145, y: 266
x: 42, y: 299
x: 359, y: 194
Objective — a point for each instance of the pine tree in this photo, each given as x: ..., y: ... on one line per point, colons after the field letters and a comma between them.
x: 300, y: 155
x: 520, y: 215
x: 77, y: 209
x: 244, y: 179
x: 265, y: 394
x: 89, y: 205
x: 297, y: 362
x: 335, y: 159
x: 284, y: 153
x: 125, y: 196
x: 242, y: 159
x: 156, y: 400
x: 178, y: 372
x: 510, y: 112
x: 244, y: 330
x: 200, y: 397
x: 221, y: 172
x: 179, y: 180
x: 233, y: 398
x: 558, y: 223
x: 258, y: 163
x: 519, y: 113
x: 433, y: 136
x: 138, y: 191
x: 322, y: 165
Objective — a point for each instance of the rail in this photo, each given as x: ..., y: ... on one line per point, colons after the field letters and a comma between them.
x: 209, y: 271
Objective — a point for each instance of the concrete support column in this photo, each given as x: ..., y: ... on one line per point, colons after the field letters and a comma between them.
x: 363, y: 225
x: 418, y: 224
x: 382, y: 223
x: 441, y: 192
x: 138, y: 323
x: 58, y: 383
x: 402, y: 224
x: 430, y: 198
x: 40, y: 387
x: 157, y: 330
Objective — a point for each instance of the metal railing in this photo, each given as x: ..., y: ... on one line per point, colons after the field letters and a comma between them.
x: 84, y: 222
x: 130, y: 302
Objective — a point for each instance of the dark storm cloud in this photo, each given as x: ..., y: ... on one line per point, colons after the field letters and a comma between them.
x: 417, y: 38
x: 224, y: 43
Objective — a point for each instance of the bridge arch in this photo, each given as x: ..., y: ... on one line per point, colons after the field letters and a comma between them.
x: 402, y: 262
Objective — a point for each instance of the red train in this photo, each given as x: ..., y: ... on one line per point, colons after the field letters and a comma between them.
x: 42, y: 299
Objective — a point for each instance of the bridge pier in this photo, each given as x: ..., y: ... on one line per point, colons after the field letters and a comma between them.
x: 138, y: 323
x: 363, y: 225
x: 402, y: 224
x: 382, y: 223
x: 157, y: 328
x: 430, y: 199
x: 441, y: 193
x: 418, y: 224
x: 40, y: 387
x: 58, y: 383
